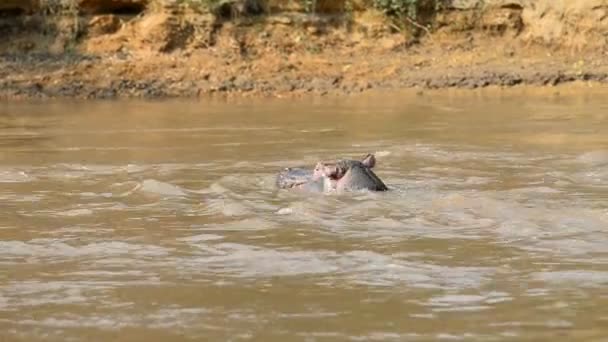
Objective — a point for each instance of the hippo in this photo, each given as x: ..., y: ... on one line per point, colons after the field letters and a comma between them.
x: 340, y: 175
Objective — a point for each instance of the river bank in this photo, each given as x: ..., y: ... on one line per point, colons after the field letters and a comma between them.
x: 180, y: 51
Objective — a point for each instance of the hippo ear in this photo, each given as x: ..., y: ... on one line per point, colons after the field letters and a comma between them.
x: 369, y: 161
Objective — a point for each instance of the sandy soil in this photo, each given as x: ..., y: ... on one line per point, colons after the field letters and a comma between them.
x: 167, y: 54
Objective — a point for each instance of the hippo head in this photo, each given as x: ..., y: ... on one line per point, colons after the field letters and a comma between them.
x: 348, y: 174
x: 343, y: 174
x: 338, y: 169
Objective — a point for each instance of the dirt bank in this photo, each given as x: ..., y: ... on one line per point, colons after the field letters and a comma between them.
x: 134, y: 48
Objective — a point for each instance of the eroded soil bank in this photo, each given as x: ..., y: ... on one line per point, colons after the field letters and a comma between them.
x: 105, y: 50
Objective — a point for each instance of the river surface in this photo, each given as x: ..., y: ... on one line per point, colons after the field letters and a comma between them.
x: 159, y: 221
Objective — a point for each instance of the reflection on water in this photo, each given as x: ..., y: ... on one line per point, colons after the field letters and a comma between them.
x: 161, y: 220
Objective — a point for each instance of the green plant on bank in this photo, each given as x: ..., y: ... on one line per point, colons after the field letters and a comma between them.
x: 310, y: 6
x: 397, y: 8
x: 349, y: 14
x: 197, y: 4
x: 409, y: 8
x: 410, y: 14
x: 228, y: 9
x: 62, y: 16
x: 59, y: 7
x: 53, y: 7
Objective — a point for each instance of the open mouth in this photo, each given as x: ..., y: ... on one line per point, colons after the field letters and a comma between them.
x: 296, y: 184
x: 294, y: 177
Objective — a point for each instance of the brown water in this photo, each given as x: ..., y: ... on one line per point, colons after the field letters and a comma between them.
x: 160, y: 221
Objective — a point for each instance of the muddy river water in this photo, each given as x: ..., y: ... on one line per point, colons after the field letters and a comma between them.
x: 159, y: 221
